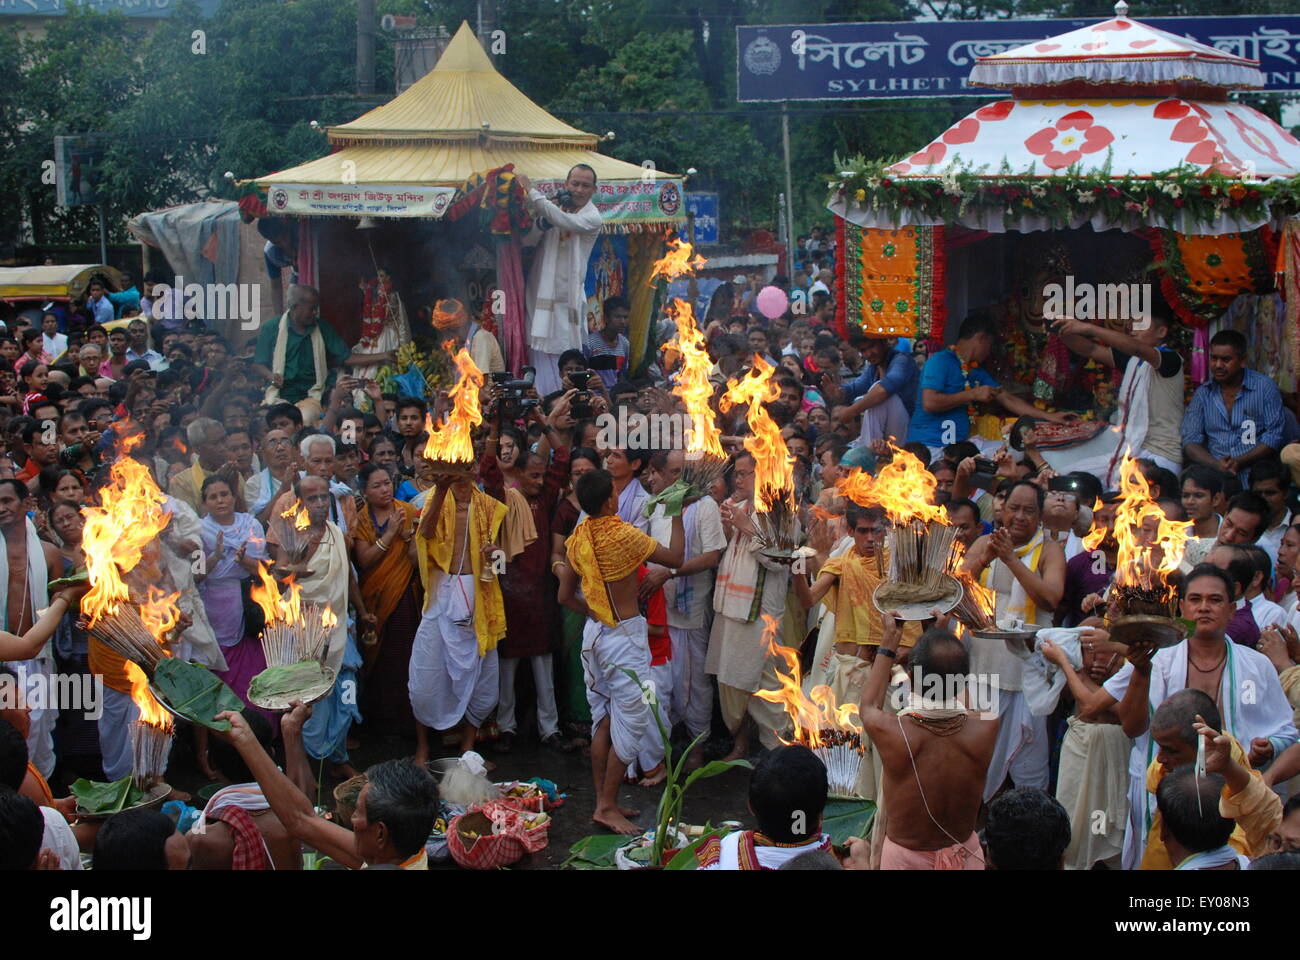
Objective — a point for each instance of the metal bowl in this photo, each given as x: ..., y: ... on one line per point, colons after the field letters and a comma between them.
x: 924, y: 610
x: 1143, y: 627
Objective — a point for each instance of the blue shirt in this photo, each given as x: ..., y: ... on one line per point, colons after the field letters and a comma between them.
x: 1256, y: 417
x: 899, y: 380
x: 942, y: 373
x: 101, y: 309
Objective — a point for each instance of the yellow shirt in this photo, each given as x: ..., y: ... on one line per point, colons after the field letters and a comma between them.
x: 1256, y: 810
x: 856, y: 618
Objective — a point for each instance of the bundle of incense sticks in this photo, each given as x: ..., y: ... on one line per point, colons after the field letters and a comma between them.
x: 702, y: 471
x: 779, y: 526
x: 919, y: 553
x: 150, y: 746
x: 841, y: 751
x: 285, y: 642
x: 1140, y: 601
x: 125, y: 634
x: 973, y: 608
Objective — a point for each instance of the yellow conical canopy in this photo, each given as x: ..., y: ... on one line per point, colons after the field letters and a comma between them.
x: 462, y: 98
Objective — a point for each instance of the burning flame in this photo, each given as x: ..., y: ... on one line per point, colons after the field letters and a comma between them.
x: 160, y: 613
x: 286, y: 606
x: 773, y: 464
x: 298, y: 514
x: 452, y: 442
x: 809, y: 714
x: 151, y: 711
x: 127, y: 519
x: 1149, y: 546
x: 693, y: 384
x: 978, y: 594
x: 677, y: 262
x: 904, y: 487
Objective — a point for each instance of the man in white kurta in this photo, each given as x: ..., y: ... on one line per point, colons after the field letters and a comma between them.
x: 556, y: 294
x: 1250, y: 698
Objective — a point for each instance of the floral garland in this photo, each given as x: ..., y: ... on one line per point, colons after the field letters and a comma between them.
x: 1127, y: 200
x: 966, y: 367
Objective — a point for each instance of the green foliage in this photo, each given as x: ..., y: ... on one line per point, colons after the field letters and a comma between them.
x: 194, y: 692
x: 95, y: 797
x: 660, y: 73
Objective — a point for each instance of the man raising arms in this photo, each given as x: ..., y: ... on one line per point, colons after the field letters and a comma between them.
x: 935, y: 755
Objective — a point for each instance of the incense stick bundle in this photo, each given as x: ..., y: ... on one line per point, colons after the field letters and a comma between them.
x: 920, y: 557
x: 126, y: 635
x: 969, y: 610
x: 150, y: 746
x: 701, y: 472
x: 779, y: 526
x: 841, y: 751
x: 286, y: 643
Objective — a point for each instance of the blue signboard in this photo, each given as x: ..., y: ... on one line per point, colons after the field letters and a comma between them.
x: 907, y: 58
x: 704, y: 207
x: 154, y: 9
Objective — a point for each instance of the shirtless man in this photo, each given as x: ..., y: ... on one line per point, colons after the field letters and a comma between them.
x: 935, y: 755
x: 605, y: 552
x: 453, y: 669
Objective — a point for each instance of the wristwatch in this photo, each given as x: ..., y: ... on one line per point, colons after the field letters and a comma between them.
x: 672, y: 573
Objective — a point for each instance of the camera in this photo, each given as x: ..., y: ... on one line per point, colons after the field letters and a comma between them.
x: 580, y: 408
x: 985, y: 475
x: 512, y: 403
x: 562, y: 199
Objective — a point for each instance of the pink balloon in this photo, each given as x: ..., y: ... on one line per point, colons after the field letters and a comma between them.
x: 772, y: 302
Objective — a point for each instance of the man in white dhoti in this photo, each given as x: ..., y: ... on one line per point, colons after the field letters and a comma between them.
x: 750, y: 590
x: 556, y: 295
x: 688, y: 592
x: 1150, y: 414
x: 1242, y: 681
x: 1026, y: 572
x: 605, y: 553
x: 453, y: 671
x: 325, y: 575
x: 24, y: 565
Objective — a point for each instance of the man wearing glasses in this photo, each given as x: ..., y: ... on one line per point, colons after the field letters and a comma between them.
x: 263, y: 487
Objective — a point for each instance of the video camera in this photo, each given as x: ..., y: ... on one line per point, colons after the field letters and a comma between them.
x: 512, y: 403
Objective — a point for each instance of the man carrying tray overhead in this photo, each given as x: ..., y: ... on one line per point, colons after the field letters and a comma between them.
x: 453, y: 671
x: 605, y: 553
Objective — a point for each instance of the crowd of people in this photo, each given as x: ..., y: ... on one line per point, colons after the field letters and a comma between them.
x: 561, y: 546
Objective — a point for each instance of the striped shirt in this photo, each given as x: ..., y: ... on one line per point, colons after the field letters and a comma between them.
x: 597, y: 346
x: 1256, y: 417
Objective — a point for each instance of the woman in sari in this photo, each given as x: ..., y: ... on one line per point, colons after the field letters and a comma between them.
x: 390, y: 585
x: 233, y: 543
x: 573, y: 686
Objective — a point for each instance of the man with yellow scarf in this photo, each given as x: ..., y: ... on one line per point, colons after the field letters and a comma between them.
x: 453, y: 668
x: 1026, y: 573
x: 605, y: 553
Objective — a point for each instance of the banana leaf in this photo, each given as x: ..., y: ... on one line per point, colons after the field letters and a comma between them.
x: 594, y: 852
x: 95, y: 797
x: 194, y: 692
x: 843, y: 819
x: 64, y: 582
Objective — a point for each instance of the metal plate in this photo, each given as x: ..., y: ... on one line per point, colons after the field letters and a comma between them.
x: 1145, y: 627
x: 1016, y: 640
x: 925, y: 610
x: 157, y: 793
x: 307, y: 695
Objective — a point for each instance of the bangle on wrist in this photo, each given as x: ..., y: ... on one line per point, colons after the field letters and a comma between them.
x: 887, y: 652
